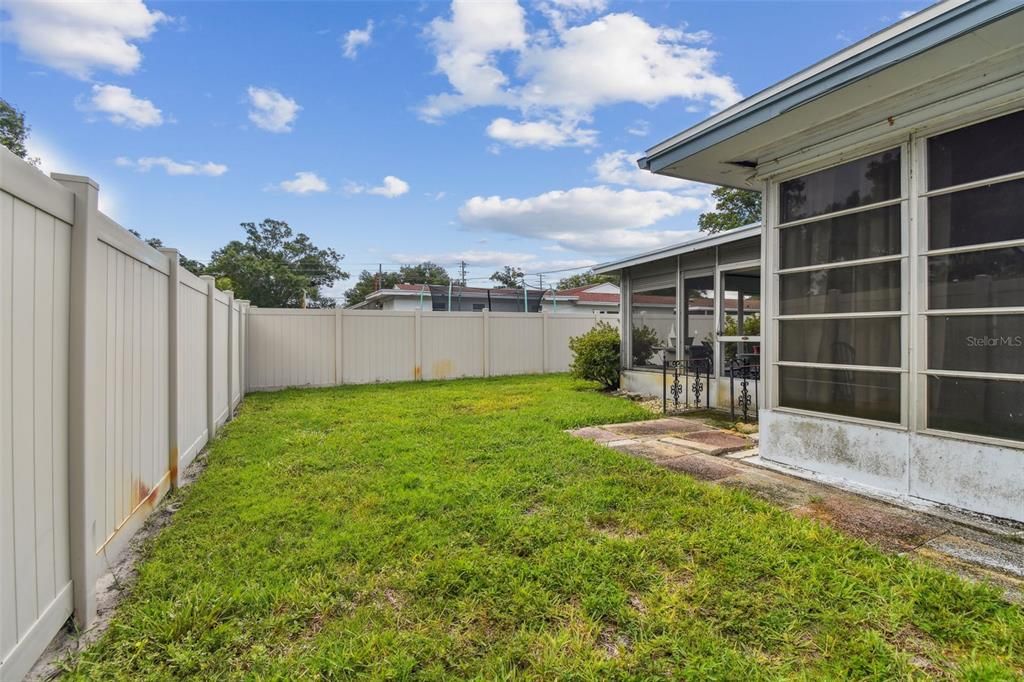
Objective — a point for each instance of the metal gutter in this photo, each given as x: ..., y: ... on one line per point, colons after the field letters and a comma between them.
x: 735, y: 235
x: 928, y: 28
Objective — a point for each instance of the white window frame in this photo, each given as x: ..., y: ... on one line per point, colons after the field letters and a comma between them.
x: 922, y: 312
x: 903, y: 258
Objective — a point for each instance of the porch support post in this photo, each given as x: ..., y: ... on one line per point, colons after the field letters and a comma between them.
x: 625, y: 318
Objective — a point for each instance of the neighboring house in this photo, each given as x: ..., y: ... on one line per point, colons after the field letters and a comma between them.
x: 891, y: 263
x: 455, y: 299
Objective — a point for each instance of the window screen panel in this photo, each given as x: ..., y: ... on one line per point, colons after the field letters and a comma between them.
x: 856, y: 183
x: 850, y: 237
x: 980, y: 151
x: 983, y: 407
x: 863, y: 394
x: 980, y: 279
x: 976, y: 343
x: 871, y: 341
x: 982, y: 215
x: 859, y: 288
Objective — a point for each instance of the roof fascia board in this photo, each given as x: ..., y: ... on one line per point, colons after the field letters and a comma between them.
x: 937, y: 25
x: 738, y: 234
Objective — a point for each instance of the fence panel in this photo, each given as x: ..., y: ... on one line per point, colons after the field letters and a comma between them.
x: 35, y: 587
x: 289, y: 348
x: 131, y: 396
x: 563, y: 327
x: 236, y: 354
x: 220, y: 357
x: 377, y: 346
x: 192, y: 425
x: 517, y: 343
x: 452, y: 345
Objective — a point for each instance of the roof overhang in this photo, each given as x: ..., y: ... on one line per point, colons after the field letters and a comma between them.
x: 738, y: 234
x: 872, y: 86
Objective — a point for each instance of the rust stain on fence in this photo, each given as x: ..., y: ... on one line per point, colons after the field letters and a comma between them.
x: 144, y: 494
x: 417, y: 373
x: 442, y: 369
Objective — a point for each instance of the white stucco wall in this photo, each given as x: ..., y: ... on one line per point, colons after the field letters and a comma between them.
x: 986, y: 479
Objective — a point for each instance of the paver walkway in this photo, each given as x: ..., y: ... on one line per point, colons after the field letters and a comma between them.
x: 973, y: 550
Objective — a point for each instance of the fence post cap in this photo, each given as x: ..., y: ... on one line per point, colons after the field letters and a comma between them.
x: 168, y: 249
x: 67, y: 177
x: 208, y: 278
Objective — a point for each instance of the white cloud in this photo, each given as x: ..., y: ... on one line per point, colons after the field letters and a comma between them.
x: 79, y: 38
x: 271, y: 110
x: 640, y: 128
x: 558, y: 76
x: 619, y: 168
x: 172, y: 167
x: 590, y: 219
x: 304, y: 182
x: 436, y: 196
x: 544, y: 134
x: 121, y: 107
x: 357, y: 38
x: 907, y: 13
x: 391, y: 187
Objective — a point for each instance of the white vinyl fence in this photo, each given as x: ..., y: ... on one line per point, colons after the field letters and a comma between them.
x: 330, y: 347
x: 116, y: 366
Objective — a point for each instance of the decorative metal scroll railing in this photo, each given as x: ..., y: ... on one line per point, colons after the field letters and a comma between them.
x: 744, y: 373
x: 687, y: 376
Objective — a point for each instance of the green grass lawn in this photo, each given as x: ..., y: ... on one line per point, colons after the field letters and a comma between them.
x: 452, y: 530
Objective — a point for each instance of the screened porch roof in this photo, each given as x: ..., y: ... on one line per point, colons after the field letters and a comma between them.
x: 885, y: 84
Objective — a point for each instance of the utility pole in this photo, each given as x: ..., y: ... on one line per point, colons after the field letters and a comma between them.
x: 380, y: 276
x: 462, y: 272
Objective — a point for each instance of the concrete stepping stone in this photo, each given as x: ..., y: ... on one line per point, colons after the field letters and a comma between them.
x: 596, y: 434
x: 657, y: 427
x: 711, y: 442
x: 656, y: 452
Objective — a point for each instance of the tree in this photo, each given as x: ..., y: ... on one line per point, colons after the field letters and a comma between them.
x: 368, y: 283
x: 509, y: 277
x: 733, y: 208
x: 14, y: 131
x: 583, y: 279
x: 193, y: 266
x: 275, y: 268
x: 423, y: 273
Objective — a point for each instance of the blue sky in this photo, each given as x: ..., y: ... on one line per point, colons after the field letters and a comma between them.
x: 497, y: 132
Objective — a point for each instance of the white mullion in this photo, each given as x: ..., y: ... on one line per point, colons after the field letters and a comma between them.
x: 954, y: 312
x: 963, y: 374
x: 971, y: 248
x: 881, y: 369
x: 974, y: 184
x: 842, y: 316
x: 841, y: 213
x: 841, y: 264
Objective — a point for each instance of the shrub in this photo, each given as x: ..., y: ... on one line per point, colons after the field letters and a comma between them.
x: 644, y: 340
x: 596, y: 355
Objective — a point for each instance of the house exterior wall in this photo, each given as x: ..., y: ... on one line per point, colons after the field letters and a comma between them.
x: 906, y: 459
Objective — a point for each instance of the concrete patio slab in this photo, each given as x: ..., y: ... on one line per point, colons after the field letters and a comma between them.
x: 701, y: 466
x: 655, y: 451
x: 888, y: 526
x: 782, y: 492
